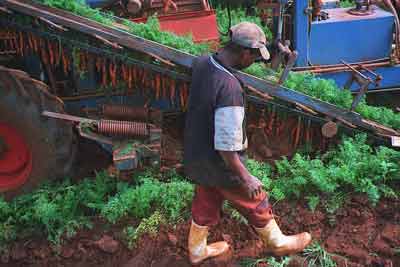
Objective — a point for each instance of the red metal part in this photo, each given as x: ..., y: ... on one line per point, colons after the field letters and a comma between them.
x: 202, y: 25
x: 15, y: 160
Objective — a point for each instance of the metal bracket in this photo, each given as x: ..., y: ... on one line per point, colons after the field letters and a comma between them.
x: 362, y: 80
x: 284, y: 56
x: 127, y: 152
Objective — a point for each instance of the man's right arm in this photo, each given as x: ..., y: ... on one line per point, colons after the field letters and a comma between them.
x: 252, y: 184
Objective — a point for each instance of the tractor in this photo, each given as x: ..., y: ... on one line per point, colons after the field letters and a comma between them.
x: 64, y: 76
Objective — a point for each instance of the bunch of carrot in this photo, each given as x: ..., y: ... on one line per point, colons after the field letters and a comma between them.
x: 112, y: 71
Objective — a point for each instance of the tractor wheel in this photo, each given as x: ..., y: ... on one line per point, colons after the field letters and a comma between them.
x: 32, y: 147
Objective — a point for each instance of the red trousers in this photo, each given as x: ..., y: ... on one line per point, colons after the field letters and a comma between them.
x: 207, y: 204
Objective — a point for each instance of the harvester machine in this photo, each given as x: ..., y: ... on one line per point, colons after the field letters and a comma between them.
x: 63, y: 75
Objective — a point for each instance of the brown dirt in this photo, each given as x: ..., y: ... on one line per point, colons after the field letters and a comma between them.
x: 361, y: 235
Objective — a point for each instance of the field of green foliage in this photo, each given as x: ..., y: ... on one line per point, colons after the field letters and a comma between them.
x: 58, y: 209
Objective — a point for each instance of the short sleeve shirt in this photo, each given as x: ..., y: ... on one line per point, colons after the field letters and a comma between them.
x: 215, y: 121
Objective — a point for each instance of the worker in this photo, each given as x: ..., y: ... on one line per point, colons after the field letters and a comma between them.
x: 214, y: 144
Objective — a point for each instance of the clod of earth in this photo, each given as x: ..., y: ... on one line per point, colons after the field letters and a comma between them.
x: 107, y: 244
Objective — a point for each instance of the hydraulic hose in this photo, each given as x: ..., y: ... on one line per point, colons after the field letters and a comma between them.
x: 389, y: 4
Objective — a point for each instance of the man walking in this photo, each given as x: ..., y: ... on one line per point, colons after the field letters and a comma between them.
x: 215, y: 141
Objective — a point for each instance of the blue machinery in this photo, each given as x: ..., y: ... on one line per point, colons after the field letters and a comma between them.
x: 365, y: 40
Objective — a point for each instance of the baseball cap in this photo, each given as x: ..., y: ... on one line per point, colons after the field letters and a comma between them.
x: 250, y: 35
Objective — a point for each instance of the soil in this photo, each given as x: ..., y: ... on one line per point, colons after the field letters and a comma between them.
x: 359, y: 235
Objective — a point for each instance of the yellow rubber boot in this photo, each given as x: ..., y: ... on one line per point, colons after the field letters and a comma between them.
x: 198, y: 248
x: 280, y: 244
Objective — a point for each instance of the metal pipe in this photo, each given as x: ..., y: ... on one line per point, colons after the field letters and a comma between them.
x: 386, y: 59
x: 345, y: 68
x: 389, y: 4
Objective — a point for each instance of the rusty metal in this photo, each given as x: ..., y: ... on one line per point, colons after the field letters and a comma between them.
x: 128, y: 113
x: 362, y: 80
x: 362, y: 8
x: 123, y: 128
x: 67, y: 117
x: 312, y: 67
x: 321, y: 70
x: 122, y: 112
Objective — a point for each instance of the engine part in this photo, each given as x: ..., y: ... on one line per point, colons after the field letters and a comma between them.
x: 125, y: 112
x: 123, y: 128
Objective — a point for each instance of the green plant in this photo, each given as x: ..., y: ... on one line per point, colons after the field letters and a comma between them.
x: 270, y: 261
x: 353, y: 166
x: 328, y: 91
x: 237, y: 15
x: 172, y: 197
x: 317, y: 256
x: 261, y: 170
x: 347, y: 3
x: 148, y: 225
x: 313, y: 202
x: 234, y: 214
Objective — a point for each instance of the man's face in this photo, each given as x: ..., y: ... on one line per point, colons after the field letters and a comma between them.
x: 248, y: 57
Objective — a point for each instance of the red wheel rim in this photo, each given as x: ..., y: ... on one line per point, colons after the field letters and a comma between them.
x: 15, y: 159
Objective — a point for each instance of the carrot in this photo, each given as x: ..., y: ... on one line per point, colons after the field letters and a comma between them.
x: 181, y: 96
x: 104, y: 73
x: 36, y: 43
x: 51, y: 53
x: 172, y: 94
x: 271, y: 121
x: 64, y: 61
x: 21, y: 43
x: 110, y: 71
x: 130, y: 78
x: 82, y: 61
x: 124, y: 72
x: 113, y: 73
x: 45, y: 56
x: 98, y: 64
x: 135, y: 74
x: 158, y: 86
x: 298, y: 129
x: 31, y: 47
x: 144, y: 77
x: 185, y: 95
x: 165, y: 86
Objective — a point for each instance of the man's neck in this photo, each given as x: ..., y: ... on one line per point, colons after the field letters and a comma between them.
x: 226, y: 58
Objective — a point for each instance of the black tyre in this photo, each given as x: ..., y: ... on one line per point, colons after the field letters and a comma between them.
x: 32, y: 147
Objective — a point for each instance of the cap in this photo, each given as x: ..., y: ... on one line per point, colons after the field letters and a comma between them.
x: 250, y: 35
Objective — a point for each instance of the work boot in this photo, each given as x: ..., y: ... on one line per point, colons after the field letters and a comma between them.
x: 280, y: 244
x: 198, y: 249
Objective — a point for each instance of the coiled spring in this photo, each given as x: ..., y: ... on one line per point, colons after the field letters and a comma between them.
x: 123, y: 128
x: 126, y: 112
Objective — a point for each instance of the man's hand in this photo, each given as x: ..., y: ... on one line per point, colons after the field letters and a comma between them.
x: 253, y: 186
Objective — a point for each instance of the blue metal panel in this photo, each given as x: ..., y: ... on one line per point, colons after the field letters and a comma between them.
x: 351, y: 38
x: 327, y: 4
x: 98, y: 3
x: 391, y: 78
x: 301, y: 32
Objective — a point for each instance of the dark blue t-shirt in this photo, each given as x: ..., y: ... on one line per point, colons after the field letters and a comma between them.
x: 213, y: 87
